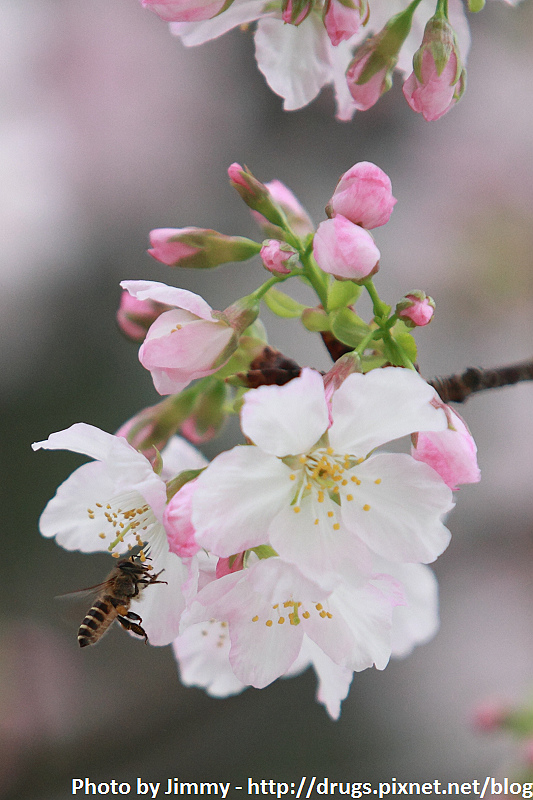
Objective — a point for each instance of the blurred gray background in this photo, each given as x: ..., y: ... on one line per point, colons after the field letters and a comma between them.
x: 110, y: 128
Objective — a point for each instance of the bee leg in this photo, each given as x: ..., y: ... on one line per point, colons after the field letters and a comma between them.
x: 133, y: 615
x: 128, y: 625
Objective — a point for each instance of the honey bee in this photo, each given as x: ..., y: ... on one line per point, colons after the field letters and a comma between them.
x: 123, y: 584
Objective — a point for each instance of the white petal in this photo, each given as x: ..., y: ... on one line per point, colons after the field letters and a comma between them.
x: 162, y: 604
x: 333, y: 681
x: 340, y: 56
x: 85, y: 439
x: 417, y: 621
x: 170, y: 295
x: 385, y: 404
x: 239, y: 13
x: 357, y: 635
x: 236, y: 497
x: 286, y: 420
x: 320, y: 552
x: 398, y: 507
x: 293, y: 59
x: 202, y: 652
x: 179, y: 455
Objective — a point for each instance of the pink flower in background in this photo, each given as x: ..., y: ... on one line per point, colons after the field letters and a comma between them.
x: 363, y: 195
x: 184, y: 10
x: 438, y: 78
x: 451, y: 452
x: 345, y: 250
x: 343, y: 20
x: 134, y: 316
x: 185, y: 343
x: 177, y: 522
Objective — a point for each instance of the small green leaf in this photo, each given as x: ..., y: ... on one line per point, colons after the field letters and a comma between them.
x: 282, y: 305
x: 408, y: 345
x: 315, y: 319
x: 180, y: 480
x: 347, y: 327
x: 342, y: 294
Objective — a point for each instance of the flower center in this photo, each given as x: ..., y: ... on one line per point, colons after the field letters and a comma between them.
x: 292, y: 612
x: 123, y: 515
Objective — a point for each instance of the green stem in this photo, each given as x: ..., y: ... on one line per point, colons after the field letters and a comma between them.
x: 380, y: 308
x: 263, y: 289
x: 442, y: 9
x: 315, y: 276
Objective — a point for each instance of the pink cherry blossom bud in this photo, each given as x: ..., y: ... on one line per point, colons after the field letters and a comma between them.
x: 295, y: 11
x: 255, y: 194
x: 490, y: 716
x: 150, y: 429
x: 345, y: 250
x: 438, y: 78
x: 177, y: 522
x: 279, y: 257
x: 333, y: 380
x: 185, y: 10
x: 225, y: 566
x: 134, y: 316
x: 199, y: 248
x: 363, y: 195
x: 208, y: 414
x: 343, y: 18
x: 190, y: 341
x: 416, y: 309
x: 451, y: 453
x: 369, y: 74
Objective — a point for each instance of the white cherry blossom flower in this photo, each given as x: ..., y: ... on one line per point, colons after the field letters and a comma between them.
x: 118, y: 500
x: 317, y: 493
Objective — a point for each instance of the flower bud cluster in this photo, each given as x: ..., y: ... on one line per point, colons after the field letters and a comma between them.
x: 308, y: 545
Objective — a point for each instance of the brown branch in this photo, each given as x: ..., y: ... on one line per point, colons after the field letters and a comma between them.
x: 458, y: 388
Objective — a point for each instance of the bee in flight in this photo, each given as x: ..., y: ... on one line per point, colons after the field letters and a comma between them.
x: 123, y: 584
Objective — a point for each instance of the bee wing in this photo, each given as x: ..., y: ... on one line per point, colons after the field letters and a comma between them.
x: 80, y: 593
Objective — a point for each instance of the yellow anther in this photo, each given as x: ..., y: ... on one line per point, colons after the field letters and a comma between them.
x: 320, y: 496
x: 319, y: 606
x: 331, y: 514
x: 297, y: 509
x: 115, y: 555
x: 378, y: 480
x: 349, y: 496
x: 336, y: 526
x: 355, y: 480
x: 316, y: 521
x: 308, y: 487
x: 323, y: 614
x: 359, y: 460
x: 329, y: 615
x: 302, y: 459
x: 276, y: 606
x: 281, y: 620
x: 254, y: 619
x: 292, y: 477
x: 344, y: 482
x: 366, y: 507
x: 306, y: 615
x: 101, y: 535
x: 268, y: 623
x: 335, y: 490
x: 223, y: 624
x: 99, y: 505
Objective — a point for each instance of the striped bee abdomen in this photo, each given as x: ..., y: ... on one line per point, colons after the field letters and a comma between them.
x: 97, y: 621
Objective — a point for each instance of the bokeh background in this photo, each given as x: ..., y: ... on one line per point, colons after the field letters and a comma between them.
x: 109, y: 128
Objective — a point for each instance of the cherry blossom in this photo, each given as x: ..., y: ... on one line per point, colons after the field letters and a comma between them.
x: 298, y: 60
x: 185, y: 343
x: 117, y: 500
x: 363, y: 195
x: 316, y: 492
x: 345, y: 250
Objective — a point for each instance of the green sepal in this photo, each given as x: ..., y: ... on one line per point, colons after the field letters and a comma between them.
x: 315, y: 320
x: 408, y: 345
x: 342, y: 294
x: 347, y: 327
x: 263, y: 551
x: 249, y: 347
x: 175, y: 484
x: 282, y: 305
x: 157, y: 464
